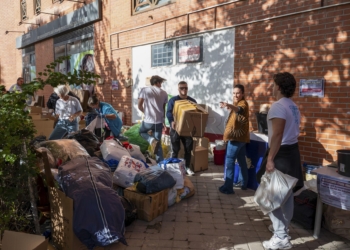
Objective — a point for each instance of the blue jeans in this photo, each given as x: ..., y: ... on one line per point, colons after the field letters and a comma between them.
x: 157, y: 134
x: 62, y: 128
x: 235, y: 150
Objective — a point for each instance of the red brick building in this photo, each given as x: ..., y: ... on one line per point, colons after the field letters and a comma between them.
x: 309, y: 38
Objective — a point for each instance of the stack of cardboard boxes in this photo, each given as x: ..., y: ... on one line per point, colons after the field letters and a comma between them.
x: 191, y: 120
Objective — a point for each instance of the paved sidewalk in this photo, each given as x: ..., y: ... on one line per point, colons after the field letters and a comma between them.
x: 211, y: 220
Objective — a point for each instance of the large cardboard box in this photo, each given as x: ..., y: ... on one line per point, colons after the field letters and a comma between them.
x: 43, y: 126
x: 191, y: 118
x: 16, y: 240
x: 149, y: 206
x: 200, y: 159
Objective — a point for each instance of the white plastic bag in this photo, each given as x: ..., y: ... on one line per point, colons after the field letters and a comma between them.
x: 96, y: 123
x: 136, y: 153
x: 273, y: 189
x: 126, y: 171
x: 110, y: 149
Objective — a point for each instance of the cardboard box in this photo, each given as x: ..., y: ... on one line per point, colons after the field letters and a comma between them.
x: 149, y: 206
x: 35, y: 116
x: 43, y: 126
x: 200, y: 159
x: 197, y: 142
x: 23, y: 241
x: 191, y: 118
x: 35, y: 110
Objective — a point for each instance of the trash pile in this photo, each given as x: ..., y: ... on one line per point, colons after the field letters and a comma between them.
x: 97, y: 188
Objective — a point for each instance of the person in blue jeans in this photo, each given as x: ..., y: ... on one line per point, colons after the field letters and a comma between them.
x: 151, y: 102
x: 107, y: 112
x: 236, y: 135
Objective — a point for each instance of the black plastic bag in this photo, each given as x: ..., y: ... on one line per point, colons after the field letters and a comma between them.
x: 87, y: 139
x: 130, y: 210
x: 151, y: 181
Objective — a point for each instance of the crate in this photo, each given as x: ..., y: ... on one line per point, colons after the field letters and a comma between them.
x: 149, y: 206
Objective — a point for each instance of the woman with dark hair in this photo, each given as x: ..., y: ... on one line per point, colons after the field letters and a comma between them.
x: 107, y: 112
x: 283, y: 154
x: 236, y: 135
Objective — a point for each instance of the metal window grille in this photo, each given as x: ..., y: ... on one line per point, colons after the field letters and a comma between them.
x: 37, y: 8
x: 57, y: 1
x: 142, y: 5
x: 23, y: 9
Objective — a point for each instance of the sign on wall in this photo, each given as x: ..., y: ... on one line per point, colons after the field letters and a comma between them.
x: 190, y: 50
x: 311, y: 87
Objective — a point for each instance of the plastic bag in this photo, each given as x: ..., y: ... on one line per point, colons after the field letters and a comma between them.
x: 65, y: 149
x: 273, y: 190
x: 134, y: 151
x: 135, y: 138
x: 87, y: 139
x: 172, y: 196
x: 111, y: 149
x: 176, y: 168
x: 125, y: 173
x: 151, y: 181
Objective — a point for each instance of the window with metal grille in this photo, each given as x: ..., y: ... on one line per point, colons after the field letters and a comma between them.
x: 144, y: 5
x: 162, y: 54
x: 23, y: 9
x: 57, y: 1
x: 37, y: 7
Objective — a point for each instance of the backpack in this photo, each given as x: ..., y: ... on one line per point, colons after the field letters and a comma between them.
x: 305, y: 209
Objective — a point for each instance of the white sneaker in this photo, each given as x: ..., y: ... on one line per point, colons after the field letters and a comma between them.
x: 189, y: 172
x: 276, y: 243
x: 270, y: 227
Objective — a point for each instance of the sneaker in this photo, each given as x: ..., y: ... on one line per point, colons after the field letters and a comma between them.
x: 238, y: 184
x: 155, y: 145
x: 276, y: 243
x: 270, y: 227
x: 189, y: 172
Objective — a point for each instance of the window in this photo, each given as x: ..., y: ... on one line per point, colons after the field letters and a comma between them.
x: 37, y: 7
x: 144, y: 5
x: 23, y: 9
x: 57, y: 1
x: 28, y: 64
x: 162, y: 54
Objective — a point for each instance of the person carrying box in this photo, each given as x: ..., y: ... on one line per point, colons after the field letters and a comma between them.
x: 175, y: 138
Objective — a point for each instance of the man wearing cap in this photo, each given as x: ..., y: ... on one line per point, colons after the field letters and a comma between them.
x: 175, y: 138
x: 152, y: 101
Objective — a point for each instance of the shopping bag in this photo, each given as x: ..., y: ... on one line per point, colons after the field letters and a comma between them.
x: 176, y: 168
x: 274, y: 188
x: 126, y: 171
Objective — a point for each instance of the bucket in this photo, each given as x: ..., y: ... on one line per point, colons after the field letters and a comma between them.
x: 219, y: 156
x: 344, y: 162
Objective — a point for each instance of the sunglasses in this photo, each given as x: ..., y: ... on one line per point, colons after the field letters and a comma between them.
x: 183, y: 88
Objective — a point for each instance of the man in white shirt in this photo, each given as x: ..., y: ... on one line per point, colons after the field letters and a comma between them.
x: 283, y: 154
x: 17, y: 86
x: 152, y: 101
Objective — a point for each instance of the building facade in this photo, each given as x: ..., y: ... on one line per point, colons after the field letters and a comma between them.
x: 211, y: 44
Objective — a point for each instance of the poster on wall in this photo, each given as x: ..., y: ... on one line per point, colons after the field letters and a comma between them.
x: 82, y: 61
x: 190, y: 50
x: 115, y: 85
x: 311, y: 87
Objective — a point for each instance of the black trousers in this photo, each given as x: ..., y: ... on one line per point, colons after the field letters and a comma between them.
x: 187, y: 142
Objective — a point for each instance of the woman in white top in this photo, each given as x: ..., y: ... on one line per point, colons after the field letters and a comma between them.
x: 67, y: 110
